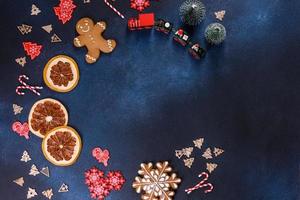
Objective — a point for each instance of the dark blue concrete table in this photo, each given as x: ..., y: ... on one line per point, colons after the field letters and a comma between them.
x: 149, y: 97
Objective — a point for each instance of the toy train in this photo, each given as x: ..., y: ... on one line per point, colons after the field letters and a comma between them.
x: 144, y: 21
x: 163, y: 26
x: 147, y: 21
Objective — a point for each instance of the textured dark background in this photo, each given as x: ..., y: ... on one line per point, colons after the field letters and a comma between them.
x: 149, y: 97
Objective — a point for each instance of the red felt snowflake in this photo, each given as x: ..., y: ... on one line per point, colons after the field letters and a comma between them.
x: 115, y: 180
x: 32, y: 49
x: 93, y: 175
x: 99, y: 190
x: 101, y: 186
x: 139, y: 5
x: 65, y: 10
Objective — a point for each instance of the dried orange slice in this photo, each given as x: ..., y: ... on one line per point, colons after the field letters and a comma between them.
x: 62, y: 146
x: 61, y: 73
x: 45, y: 115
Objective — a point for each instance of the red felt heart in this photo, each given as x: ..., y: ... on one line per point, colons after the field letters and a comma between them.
x: 100, y: 185
x: 21, y: 129
x: 101, y: 155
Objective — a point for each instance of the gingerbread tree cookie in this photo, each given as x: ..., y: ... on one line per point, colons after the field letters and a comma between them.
x: 90, y: 35
x: 156, y: 183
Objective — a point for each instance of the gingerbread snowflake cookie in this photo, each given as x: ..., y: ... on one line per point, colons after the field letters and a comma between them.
x: 90, y: 35
x: 156, y: 183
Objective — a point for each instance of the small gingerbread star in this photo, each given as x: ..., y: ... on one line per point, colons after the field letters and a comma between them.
x: 31, y: 193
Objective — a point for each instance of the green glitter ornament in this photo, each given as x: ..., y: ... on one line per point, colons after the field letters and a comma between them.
x: 215, y: 33
x: 192, y: 12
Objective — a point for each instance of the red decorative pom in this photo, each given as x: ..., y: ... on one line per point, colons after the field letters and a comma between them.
x: 139, y: 5
x: 100, y: 186
x: 32, y: 49
x: 65, y: 10
x: 101, y: 156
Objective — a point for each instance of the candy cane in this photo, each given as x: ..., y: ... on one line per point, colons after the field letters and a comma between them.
x: 114, y: 9
x: 201, y: 184
x: 24, y: 86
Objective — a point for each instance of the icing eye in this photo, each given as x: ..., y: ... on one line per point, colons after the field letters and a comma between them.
x: 86, y: 24
x: 80, y: 27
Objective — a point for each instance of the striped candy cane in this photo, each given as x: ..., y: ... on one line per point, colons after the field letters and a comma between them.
x: 24, y: 86
x: 201, y: 184
x: 114, y: 9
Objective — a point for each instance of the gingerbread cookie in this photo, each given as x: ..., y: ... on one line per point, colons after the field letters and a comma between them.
x: 90, y: 35
x: 156, y: 182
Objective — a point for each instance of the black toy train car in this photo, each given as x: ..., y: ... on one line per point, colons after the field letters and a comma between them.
x: 181, y: 37
x: 163, y: 26
x: 197, y: 51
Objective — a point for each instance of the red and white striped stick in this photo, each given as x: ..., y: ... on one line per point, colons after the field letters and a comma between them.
x: 24, y: 86
x: 201, y: 184
x: 114, y: 9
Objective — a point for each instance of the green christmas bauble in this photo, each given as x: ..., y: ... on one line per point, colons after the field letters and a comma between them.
x: 215, y: 33
x: 192, y: 12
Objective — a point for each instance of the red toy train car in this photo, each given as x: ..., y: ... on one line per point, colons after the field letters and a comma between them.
x: 144, y: 21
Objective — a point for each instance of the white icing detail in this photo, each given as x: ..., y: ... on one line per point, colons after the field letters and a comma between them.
x: 77, y: 41
x: 90, y: 57
x: 101, y: 24
x: 110, y: 45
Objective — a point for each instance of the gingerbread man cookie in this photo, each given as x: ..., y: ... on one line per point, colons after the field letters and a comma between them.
x: 90, y: 35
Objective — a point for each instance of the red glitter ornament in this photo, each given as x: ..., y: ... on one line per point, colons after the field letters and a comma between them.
x: 101, y: 186
x: 32, y: 49
x: 65, y: 10
x: 139, y: 5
